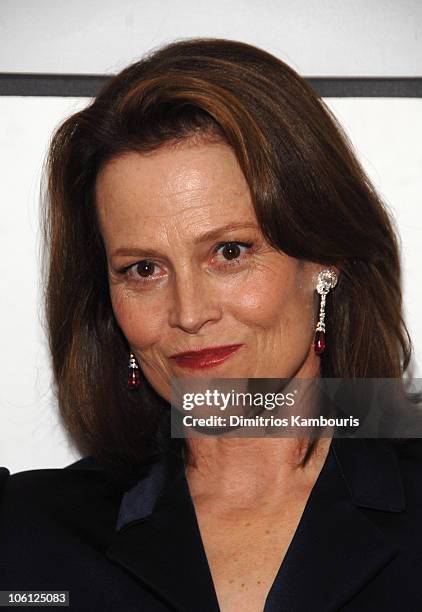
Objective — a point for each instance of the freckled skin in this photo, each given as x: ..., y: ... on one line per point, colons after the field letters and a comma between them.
x: 195, y: 296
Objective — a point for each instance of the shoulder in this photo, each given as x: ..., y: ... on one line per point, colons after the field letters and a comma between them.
x: 44, y: 482
x: 4, y: 475
x: 56, y: 526
x: 54, y: 499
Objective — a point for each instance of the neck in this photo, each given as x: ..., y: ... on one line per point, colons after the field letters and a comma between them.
x: 246, y: 470
x: 241, y: 469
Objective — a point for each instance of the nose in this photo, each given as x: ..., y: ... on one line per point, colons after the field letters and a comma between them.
x: 194, y: 302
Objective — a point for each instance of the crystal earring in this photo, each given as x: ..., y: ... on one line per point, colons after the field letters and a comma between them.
x: 134, y: 378
x: 327, y: 279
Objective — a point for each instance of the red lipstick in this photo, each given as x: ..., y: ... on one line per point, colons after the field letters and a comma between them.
x: 205, y: 358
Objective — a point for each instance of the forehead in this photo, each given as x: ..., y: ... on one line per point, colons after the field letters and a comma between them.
x: 201, y: 181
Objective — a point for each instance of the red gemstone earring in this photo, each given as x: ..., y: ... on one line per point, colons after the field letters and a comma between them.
x: 134, y: 378
x: 327, y: 279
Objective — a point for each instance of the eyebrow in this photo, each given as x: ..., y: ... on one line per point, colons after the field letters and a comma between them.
x: 215, y: 233
x: 208, y: 236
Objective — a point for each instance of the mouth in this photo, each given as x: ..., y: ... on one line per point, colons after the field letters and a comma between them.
x: 205, y: 358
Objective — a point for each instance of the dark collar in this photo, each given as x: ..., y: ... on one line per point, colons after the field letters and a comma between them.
x: 369, y: 469
x: 335, y: 550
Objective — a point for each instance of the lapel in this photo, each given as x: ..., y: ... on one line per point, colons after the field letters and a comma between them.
x: 163, y: 548
x: 335, y: 551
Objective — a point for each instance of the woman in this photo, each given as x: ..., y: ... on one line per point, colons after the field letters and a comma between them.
x: 206, y: 217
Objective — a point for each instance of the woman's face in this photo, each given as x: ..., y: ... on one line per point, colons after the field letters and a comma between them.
x: 189, y: 269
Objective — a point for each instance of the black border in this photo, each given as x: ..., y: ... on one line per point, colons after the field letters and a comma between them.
x: 88, y: 85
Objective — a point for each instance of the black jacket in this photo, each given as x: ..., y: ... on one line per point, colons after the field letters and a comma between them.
x: 358, y: 547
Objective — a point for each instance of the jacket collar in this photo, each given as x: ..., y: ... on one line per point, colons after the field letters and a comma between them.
x: 161, y: 544
x: 370, y: 470
x: 335, y: 550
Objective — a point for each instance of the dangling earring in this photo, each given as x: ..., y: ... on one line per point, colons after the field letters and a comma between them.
x: 134, y: 378
x: 327, y: 279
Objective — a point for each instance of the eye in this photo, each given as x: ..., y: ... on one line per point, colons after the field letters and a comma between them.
x: 232, y: 252
x: 144, y: 268
x: 142, y: 271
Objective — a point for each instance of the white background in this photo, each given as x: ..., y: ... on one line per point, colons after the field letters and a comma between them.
x: 317, y: 38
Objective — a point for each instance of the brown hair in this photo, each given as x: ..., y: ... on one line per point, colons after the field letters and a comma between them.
x: 312, y: 200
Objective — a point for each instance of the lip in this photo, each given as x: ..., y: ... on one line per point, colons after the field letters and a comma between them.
x: 205, y: 358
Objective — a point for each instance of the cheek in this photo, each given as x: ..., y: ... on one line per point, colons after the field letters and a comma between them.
x: 276, y: 298
x: 140, y: 322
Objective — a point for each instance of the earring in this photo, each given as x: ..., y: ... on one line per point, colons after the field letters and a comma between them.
x: 134, y: 378
x: 327, y: 279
